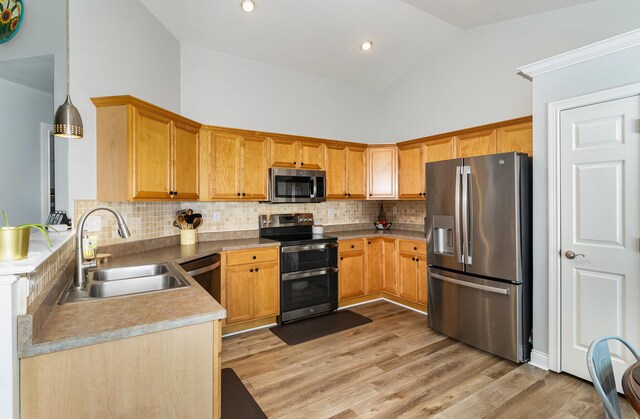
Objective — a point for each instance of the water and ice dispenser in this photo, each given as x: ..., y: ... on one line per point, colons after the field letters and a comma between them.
x: 443, y: 242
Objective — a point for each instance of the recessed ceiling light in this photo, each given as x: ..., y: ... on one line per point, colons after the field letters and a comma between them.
x: 366, y: 45
x: 248, y: 6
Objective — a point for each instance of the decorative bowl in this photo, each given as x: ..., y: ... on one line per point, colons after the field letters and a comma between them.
x: 381, y: 227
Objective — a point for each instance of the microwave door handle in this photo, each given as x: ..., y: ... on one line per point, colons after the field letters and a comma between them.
x: 313, y: 187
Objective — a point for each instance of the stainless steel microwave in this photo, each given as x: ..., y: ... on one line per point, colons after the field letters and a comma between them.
x: 291, y: 185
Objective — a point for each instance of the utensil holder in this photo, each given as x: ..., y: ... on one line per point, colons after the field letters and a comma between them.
x: 14, y: 243
x: 188, y: 237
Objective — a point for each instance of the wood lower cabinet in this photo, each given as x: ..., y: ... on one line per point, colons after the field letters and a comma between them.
x: 351, y: 265
x: 145, y: 153
x: 172, y: 373
x: 422, y: 280
x: 408, y: 275
x: 383, y: 172
x: 390, y: 280
x: 251, y: 284
x: 288, y: 152
x: 234, y: 163
x: 375, y: 265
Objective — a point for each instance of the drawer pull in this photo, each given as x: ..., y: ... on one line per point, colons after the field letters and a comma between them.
x: 254, y: 258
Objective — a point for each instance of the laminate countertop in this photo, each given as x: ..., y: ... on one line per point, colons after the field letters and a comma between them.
x: 50, y: 327
x: 370, y: 233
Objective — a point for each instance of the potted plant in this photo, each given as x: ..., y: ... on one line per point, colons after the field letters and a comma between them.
x: 14, y: 241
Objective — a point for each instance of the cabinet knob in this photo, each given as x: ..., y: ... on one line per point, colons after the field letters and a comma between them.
x: 415, y: 248
x: 348, y: 194
x: 294, y: 163
x: 254, y: 258
x: 341, y: 258
x: 243, y: 194
x: 238, y: 194
x: 413, y: 258
x: 353, y: 246
x: 175, y: 193
x: 251, y: 270
x: 301, y: 163
x: 368, y: 242
x: 370, y: 194
x: 256, y: 269
x: 345, y: 194
x: 417, y: 260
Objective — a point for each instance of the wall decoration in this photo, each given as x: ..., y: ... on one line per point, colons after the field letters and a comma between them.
x: 11, y: 16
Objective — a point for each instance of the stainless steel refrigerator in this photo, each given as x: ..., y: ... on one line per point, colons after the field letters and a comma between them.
x: 478, y: 231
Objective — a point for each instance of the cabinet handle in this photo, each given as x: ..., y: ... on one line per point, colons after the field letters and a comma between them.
x: 349, y: 194
x: 251, y: 270
x: 294, y: 163
x: 345, y: 194
x: 301, y: 163
x: 417, y: 260
x: 341, y: 258
x: 415, y: 248
x: 243, y: 194
x: 353, y: 246
x: 175, y: 193
x: 256, y: 269
x: 370, y: 194
x: 238, y: 194
x: 413, y: 258
x: 254, y: 258
x: 368, y: 242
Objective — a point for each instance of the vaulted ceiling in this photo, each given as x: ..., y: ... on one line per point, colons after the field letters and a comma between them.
x: 323, y: 37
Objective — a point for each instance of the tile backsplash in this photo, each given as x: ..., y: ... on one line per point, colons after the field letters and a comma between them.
x: 49, y: 269
x: 149, y: 220
x: 408, y: 212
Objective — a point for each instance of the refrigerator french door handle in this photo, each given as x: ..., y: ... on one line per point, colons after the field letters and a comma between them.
x: 465, y: 214
x: 468, y: 242
x: 458, y: 239
x: 496, y: 290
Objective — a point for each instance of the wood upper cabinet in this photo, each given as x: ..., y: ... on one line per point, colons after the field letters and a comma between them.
x: 235, y: 164
x: 351, y: 273
x: 411, y: 177
x: 251, y: 284
x: 383, y: 172
x: 515, y: 138
x: 291, y: 153
x: 477, y: 143
x: 346, y: 172
x: 145, y: 152
x: 440, y: 149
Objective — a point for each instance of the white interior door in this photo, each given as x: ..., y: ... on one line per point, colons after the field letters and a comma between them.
x: 600, y: 211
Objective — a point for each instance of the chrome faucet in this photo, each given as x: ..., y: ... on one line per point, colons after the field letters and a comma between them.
x: 81, y: 266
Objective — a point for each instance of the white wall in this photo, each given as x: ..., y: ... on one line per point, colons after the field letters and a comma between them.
x: 221, y: 89
x: 603, y: 73
x: 471, y: 80
x: 117, y: 48
x: 20, y: 194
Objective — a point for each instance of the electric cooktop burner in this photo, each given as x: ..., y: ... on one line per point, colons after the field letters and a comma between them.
x: 291, y: 229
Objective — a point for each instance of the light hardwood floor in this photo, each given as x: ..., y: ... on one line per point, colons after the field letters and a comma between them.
x: 397, y: 367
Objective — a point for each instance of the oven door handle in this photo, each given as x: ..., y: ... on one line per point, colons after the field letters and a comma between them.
x: 204, y: 270
x: 307, y: 274
x: 303, y: 247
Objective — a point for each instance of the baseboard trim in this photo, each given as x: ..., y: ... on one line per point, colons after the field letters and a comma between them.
x: 383, y: 299
x: 539, y: 360
x: 249, y: 330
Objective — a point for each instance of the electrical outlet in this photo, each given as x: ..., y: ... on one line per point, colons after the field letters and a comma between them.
x: 216, y: 216
x: 330, y: 212
x: 93, y: 223
x: 395, y: 210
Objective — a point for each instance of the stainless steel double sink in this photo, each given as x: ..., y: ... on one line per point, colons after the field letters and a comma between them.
x: 129, y: 280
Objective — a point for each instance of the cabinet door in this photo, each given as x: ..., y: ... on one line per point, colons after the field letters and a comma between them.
x: 441, y: 149
x: 476, y: 144
x: 254, y: 168
x: 375, y: 265
x: 422, y: 279
x: 284, y: 152
x: 311, y: 155
x: 224, y: 179
x: 356, y: 173
x: 411, y: 171
x: 151, y: 156
x: 516, y: 138
x: 336, y: 173
x: 239, y: 293
x: 383, y: 173
x: 408, y: 269
x: 185, y: 165
x: 351, y: 274
x: 390, y: 280
x: 266, y: 290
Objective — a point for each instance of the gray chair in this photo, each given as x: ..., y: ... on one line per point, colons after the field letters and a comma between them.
x: 601, y: 371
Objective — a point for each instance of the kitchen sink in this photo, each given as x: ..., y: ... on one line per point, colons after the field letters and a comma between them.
x: 114, y: 274
x: 119, y: 282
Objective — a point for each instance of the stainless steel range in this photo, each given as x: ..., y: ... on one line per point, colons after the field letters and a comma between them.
x: 308, y: 266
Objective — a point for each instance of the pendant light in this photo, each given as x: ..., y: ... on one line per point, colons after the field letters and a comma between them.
x: 67, y: 122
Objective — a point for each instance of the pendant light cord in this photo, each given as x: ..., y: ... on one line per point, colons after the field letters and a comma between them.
x: 68, y: 59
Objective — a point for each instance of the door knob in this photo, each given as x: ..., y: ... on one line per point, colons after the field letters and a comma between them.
x: 570, y: 254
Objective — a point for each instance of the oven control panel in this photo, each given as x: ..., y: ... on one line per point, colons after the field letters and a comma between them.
x: 285, y: 220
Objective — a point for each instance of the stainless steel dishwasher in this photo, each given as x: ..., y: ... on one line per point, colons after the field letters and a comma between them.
x: 206, y: 272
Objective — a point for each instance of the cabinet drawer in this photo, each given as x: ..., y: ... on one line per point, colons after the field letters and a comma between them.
x: 413, y: 246
x: 257, y: 255
x: 350, y: 245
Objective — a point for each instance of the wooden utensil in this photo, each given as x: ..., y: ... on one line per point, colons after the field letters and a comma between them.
x: 197, y: 222
x: 182, y: 222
